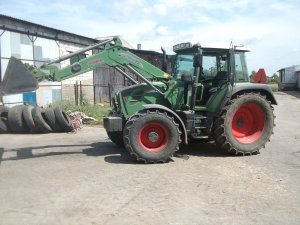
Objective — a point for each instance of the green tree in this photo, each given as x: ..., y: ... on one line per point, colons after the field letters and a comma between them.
x: 253, y: 72
x: 275, y: 79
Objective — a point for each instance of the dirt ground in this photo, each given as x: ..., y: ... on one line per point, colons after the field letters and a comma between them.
x: 83, y: 179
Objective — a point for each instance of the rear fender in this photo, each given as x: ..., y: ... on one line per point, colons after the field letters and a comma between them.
x: 264, y: 89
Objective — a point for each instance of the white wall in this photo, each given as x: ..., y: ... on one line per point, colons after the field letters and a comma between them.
x: 48, y: 93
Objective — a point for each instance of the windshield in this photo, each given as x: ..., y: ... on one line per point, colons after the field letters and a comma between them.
x: 183, y: 65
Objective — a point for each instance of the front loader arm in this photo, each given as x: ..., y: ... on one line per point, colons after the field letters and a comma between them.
x: 113, y: 55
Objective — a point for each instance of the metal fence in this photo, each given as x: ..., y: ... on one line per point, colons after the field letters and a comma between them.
x: 91, y: 93
x: 97, y: 93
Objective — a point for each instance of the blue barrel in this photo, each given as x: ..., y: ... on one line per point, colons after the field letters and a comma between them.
x: 29, y: 98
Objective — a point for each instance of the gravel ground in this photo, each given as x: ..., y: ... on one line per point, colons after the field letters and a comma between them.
x: 83, y: 179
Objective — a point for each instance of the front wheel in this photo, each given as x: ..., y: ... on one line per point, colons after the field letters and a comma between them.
x: 151, y: 136
x: 245, y: 125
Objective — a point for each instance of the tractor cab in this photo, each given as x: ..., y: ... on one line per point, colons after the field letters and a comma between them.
x: 210, y: 70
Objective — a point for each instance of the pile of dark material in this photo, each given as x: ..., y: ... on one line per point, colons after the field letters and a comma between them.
x: 29, y: 119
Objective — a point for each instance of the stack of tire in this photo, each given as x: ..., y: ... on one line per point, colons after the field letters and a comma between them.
x: 29, y: 119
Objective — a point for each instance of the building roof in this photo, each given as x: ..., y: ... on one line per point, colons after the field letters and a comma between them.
x: 21, y: 26
x: 295, y: 67
x: 25, y: 27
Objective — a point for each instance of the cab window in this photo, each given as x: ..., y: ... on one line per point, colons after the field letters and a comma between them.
x: 240, y: 67
x: 209, y: 64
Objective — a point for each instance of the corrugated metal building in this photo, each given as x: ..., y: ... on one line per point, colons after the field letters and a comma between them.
x: 290, y: 78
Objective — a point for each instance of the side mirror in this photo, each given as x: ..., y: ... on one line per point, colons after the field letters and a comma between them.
x: 197, y: 60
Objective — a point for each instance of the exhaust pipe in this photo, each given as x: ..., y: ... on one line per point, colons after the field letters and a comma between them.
x: 17, y: 79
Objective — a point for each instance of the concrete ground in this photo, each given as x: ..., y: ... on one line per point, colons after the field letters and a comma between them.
x: 83, y: 179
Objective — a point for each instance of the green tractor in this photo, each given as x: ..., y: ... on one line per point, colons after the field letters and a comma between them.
x: 207, y: 97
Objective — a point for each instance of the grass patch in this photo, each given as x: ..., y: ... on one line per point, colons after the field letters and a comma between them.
x: 96, y: 111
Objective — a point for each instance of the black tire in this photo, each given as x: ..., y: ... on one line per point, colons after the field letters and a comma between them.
x: 4, y: 119
x: 40, y: 121
x: 16, y: 122
x: 115, y: 136
x: 3, y: 127
x: 51, y: 119
x: 165, y: 136
x: 27, y: 115
x: 245, y: 125
x: 63, y: 119
x: 4, y: 112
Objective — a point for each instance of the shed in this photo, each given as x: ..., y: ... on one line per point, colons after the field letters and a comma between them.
x: 290, y: 78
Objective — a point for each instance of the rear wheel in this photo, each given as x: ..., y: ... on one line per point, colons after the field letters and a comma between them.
x: 245, y: 125
x: 151, y: 136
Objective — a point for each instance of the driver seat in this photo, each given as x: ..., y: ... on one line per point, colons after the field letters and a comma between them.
x: 220, y: 78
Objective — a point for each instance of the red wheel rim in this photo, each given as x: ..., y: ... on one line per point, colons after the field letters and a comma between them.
x: 153, y: 137
x: 248, y: 123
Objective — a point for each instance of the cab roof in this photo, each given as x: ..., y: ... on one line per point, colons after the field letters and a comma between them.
x: 224, y: 47
x: 187, y: 46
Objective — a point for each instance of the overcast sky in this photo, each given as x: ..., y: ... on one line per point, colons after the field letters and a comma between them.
x: 270, y: 28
